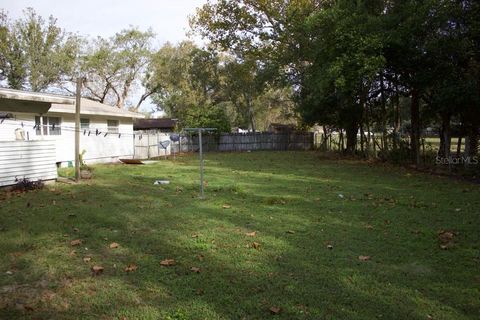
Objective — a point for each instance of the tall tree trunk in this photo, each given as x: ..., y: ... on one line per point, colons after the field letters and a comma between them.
x: 396, y: 119
x: 362, y: 145
x: 367, y: 122
x: 415, y: 130
x: 324, y: 146
x: 351, y: 132
x: 384, y: 116
x: 471, y: 142
x: 445, y: 137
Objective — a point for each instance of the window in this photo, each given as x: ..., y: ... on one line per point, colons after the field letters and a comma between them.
x: 84, y: 124
x: 112, y: 126
x: 54, y: 126
x: 51, y: 126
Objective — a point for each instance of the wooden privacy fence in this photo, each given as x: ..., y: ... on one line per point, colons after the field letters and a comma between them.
x: 34, y: 160
x: 147, y: 143
x: 232, y: 142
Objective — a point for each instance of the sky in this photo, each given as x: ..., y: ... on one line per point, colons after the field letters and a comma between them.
x: 167, y: 18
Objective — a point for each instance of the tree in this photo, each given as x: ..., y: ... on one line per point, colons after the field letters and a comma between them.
x: 244, y: 83
x: 115, y: 66
x: 36, y: 54
x: 185, y: 83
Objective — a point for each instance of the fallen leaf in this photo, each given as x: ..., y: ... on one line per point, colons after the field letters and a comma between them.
x: 364, y: 258
x: 329, y: 247
x: 131, y: 268
x: 446, y: 236
x: 87, y: 259
x: 72, y: 253
x: 200, y: 257
x: 114, y: 245
x: 446, y: 239
x: 226, y: 206
x: 275, y: 310
x: 76, y: 242
x: 97, y: 270
x: 256, y: 245
x: 195, y: 269
x: 251, y: 234
x: 291, y: 231
x: 76, y: 229
x: 167, y: 262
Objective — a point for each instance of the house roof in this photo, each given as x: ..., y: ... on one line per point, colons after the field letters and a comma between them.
x: 34, y: 96
x: 161, y: 123
x: 90, y: 107
x: 37, y: 102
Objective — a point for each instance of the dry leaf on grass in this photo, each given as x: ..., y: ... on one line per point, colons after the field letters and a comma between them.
x: 114, y: 245
x: 195, y: 269
x: 87, y: 259
x: 168, y: 262
x: 364, y: 258
x: 76, y: 242
x: 329, y: 247
x: 200, y: 257
x: 256, y: 245
x: 291, y: 232
x: 275, y: 310
x: 226, y: 206
x: 251, y: 234
x: 131, y: 268
x: 97, y: 270
x: 446, y: 239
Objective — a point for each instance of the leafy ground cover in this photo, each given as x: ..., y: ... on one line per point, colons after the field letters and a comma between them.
x: 281, y: 235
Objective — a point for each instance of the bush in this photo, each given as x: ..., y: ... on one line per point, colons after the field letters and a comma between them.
x: 23, y: 185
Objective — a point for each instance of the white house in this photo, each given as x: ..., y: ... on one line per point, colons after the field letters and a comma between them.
x: 106, y: 131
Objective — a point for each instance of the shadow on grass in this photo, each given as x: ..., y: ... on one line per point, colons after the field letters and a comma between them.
x: 405, y: 279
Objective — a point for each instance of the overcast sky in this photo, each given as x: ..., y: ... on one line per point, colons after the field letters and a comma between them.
x: 167, y: 18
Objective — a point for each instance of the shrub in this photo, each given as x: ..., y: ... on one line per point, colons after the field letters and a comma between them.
x: 23, y: 185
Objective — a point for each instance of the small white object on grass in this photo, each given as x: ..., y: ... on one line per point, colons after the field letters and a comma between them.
x: 159, y: 182
x: 341, y: 196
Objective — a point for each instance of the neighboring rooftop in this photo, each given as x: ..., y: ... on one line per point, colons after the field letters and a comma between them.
x: 154, y: 124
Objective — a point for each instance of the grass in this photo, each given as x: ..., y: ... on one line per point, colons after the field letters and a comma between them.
x: 298, y: 204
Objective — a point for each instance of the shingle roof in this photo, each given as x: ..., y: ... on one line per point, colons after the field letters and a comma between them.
x: 90, y: 107
x: 161, y: 123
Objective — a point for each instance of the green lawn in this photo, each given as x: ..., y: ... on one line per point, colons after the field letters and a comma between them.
x: 313, y: 218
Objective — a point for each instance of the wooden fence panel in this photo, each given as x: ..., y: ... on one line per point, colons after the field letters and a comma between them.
x: 240, y: 142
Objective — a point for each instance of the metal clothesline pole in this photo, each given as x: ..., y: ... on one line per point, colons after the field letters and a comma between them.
x: 200, y: 131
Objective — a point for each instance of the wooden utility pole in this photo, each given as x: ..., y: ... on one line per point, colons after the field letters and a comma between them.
x: 77, y: 129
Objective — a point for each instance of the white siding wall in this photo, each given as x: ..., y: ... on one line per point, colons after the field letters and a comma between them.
x: 98, y: 148
x: 34, y: 160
